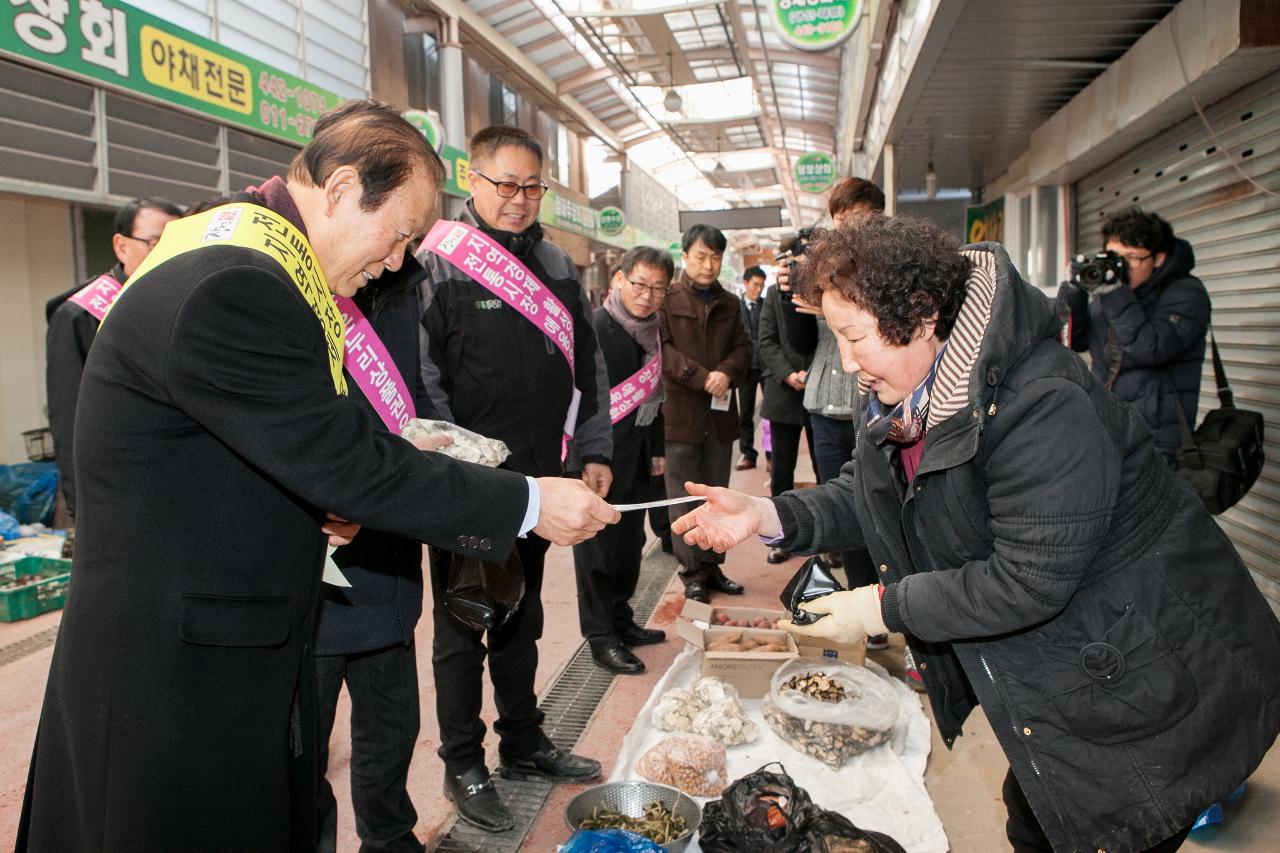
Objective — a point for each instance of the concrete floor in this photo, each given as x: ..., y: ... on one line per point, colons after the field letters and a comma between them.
x: 964, y: 783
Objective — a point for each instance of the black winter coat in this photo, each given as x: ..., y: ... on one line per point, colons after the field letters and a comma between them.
x: 1046, y: 563
x: 782, y: 403
x: 179, y: 713
x: 384, y: 602
x: 751, y: 322
x: 490, y: 370
x: 71, y: 332
x: 1158, y: 333
x: 633, y: 446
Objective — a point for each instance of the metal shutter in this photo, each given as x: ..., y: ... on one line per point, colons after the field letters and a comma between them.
x: 156, y: 151
x: 1235, y: 230
x: 252, y: 159
x: 47, y: 131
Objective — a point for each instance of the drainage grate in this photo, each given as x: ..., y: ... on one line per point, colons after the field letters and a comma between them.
x: 28, y: 645
x: 569, y: 706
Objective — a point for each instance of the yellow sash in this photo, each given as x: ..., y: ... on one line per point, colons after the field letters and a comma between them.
x: 251, y: 226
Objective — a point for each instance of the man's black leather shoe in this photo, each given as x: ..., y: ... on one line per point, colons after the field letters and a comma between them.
x: 551, y: 763
x: 634, y: 635
x: 478, y: 804
x: 777, y: 555
x: 617, y: 658
x: 720, y: 583
x: 697, y: 591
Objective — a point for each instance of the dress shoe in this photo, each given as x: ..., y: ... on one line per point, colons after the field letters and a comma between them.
x: 720, y: 583
x: 834, y: 559
x: 778, y: 555
x: 634, y: 635
x: 697, y: 591
x: 667, y: 547
x: 746, y: 464
x: 551, y: 763
x: 477, y: 801
x: 617, y: 658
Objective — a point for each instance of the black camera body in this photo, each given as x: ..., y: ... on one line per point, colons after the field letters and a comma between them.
x: 793, y: 247
x: 1105, y: 270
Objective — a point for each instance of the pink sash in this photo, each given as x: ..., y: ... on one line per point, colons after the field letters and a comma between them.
x: 627, y: 395
x: 491, y: 266
x: 96, y: 296
x: 370, y: 365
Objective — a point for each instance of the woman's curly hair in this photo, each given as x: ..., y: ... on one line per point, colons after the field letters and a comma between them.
x: 901, y: 270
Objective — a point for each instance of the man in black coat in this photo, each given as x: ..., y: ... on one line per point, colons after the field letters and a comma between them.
x: 608, y: 566
x: 213, y: 435
x: 137, y: 228
x: 1145, y: 340
x: 752, y: 304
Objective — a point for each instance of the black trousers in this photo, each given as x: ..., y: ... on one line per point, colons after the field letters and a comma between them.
x: 384, y: 728
x: 458, y: 656
x: 705, y: 461
x: 832, y: 448
x: 747, y: 413
x: 1025, y: 833
x: 786, y: 451
x: 607, y: 568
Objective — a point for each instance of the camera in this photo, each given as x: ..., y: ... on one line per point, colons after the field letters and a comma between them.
x: 1105, y: 270
x: 793, y: 247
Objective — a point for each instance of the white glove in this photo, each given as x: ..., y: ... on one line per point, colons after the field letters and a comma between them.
x: 852, y: 615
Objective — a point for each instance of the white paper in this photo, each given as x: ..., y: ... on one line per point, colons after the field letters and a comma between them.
x: 720, y: 404
x: 653, y: 504
x: 332, y: 574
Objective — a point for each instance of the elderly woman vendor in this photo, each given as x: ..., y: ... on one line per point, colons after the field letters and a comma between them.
x: 1035, y: 550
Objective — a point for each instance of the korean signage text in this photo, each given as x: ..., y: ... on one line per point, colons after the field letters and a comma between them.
x: 815, y: 172
x: 984, y: 222
x: 814, y: 24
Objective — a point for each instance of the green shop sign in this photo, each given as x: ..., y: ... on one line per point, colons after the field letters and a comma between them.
x: 984, y: 222
x: 426, y: 123
x: 566, y: 214
x: 814, y: 24
x: 121, y: 46
x: 456, y: 167
x: 611, y: 221
x: 815, y: 172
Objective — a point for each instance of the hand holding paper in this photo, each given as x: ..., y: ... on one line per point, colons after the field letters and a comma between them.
x: 727, y: 518
x: 570, y: 512
x: 340, y: 531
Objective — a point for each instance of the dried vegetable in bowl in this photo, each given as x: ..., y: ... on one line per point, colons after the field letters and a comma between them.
x: 658, y: 823
x: 710, y: 709
x: 693, y: 764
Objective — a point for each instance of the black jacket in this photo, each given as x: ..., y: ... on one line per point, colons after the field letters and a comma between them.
x: 490, y: 370
x: 384, y: 602
x: 782, y: 403
x: 71, y: 333
x: 1046, y: 563
x: 1158, y: 334
x: 633, y: 446
x: 751, y: 319
x: 179, y: 713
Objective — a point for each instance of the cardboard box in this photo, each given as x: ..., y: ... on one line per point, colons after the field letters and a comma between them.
x: 695, y: 616
x: 749, y: 672
x: 855, y: 654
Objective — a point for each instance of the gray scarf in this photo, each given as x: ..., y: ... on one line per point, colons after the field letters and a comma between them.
x: 645, y: 334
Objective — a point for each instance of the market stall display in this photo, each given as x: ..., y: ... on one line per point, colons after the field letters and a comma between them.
x: 658, y: 812
x: 712, y: 709
x: 830, y: 710
x: 691, y: 763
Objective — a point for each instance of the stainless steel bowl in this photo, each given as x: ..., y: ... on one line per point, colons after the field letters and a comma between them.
x: 631, y: 798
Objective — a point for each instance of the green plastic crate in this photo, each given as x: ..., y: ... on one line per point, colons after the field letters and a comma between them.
x: 32, y: 599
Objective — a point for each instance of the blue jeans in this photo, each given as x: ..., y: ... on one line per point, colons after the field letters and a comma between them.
x: 832, y: 448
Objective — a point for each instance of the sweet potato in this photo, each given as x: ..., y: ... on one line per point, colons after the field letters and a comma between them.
x: 770, y: 647
x: 724, y: 646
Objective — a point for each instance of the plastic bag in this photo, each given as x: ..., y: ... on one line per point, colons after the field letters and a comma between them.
x: 710, y: 709
x: 482, y: 595
x: 28, y: 491
x: 833, y: 731
x: 609, y: 841
x: 467, y: 446
x: 813, y: 580
x: 9, y: 527
x: 691, y: 763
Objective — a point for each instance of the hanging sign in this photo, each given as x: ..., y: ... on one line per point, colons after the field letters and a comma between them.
x: 814, y: 24
x: 122, y: 46
x: 611, y: 221
x: 984, y: 222
x: 456, y: 169
x: 426, y: 123
x: 815, y: 172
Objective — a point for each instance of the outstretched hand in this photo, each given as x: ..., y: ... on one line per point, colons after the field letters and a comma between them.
x: 726, y: 518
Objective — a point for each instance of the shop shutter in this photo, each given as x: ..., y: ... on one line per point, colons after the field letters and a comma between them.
x: 156, y: 151
x: 252, y: 159
x: 1187, y: 177
x: 47, y: 130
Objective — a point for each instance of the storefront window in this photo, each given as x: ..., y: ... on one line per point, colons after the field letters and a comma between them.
x: 503, y: 103
x: 422, y: 71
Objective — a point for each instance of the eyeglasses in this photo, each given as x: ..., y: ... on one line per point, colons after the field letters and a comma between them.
x: 640, y: 289
x: 1136, y: 260
x: 150, y: 241
x: 509, y: 189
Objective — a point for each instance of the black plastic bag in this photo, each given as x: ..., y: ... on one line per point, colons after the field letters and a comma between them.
x: 825, y: 829
x: 759, y: 813
x: 813, y: 580
x: 482, y: 595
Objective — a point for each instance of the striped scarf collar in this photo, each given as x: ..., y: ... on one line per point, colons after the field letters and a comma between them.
x: 905, y: 422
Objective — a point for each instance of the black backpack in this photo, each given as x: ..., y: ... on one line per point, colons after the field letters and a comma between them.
x: 1224, y: 456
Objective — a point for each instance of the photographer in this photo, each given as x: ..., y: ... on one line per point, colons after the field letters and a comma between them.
x: 1142, y: 317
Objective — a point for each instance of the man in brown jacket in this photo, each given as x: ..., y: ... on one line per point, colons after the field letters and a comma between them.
x: 706, y: 352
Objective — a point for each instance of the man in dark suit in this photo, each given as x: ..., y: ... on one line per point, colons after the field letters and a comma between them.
x: 608, y: 566
x: 752, y: 304
x: 214, y: 434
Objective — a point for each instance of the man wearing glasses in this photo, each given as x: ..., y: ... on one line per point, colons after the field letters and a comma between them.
x: 488, y: 368
x: 626, y: 328
x: 1146, y: 340
x: 72, y: 327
